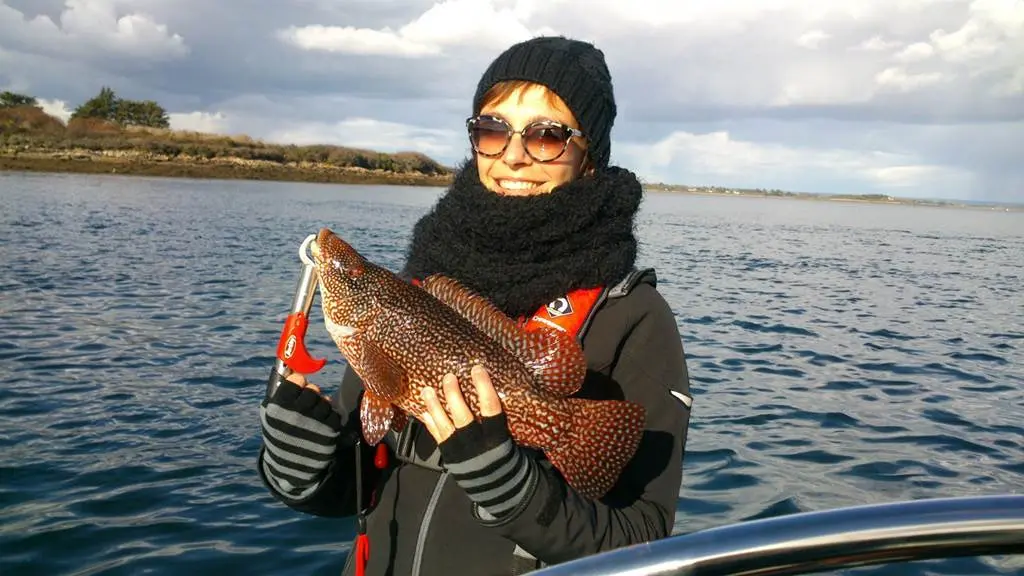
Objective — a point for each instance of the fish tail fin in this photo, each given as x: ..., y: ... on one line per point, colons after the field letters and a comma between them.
x: 602, y: 438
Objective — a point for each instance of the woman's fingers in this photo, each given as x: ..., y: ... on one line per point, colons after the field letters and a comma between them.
x: 442, y: 421
x: 490, y: 403
x: 442, y: 424
x: 457, y: 409
x: 300, y: 380
x: 428, y: 423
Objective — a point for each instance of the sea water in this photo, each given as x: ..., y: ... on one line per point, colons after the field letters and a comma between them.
x: 840, y: 354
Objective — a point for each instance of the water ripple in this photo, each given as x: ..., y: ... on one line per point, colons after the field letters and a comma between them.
x: 839, y: 356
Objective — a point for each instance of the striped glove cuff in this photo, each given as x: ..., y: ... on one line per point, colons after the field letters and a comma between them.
x: 494, y: 472
x: 300, y: 434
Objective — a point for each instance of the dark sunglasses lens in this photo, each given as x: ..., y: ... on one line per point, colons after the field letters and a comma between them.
x: 546, y: 142
x: 488, y: 136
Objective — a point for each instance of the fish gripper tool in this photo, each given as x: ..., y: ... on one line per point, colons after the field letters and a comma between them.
x: 292, y: 355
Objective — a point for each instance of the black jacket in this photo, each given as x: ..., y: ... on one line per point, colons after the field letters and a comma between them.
x: 421, y: 522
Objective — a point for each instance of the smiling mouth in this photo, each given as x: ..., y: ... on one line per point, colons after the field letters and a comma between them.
x: 518, y: 185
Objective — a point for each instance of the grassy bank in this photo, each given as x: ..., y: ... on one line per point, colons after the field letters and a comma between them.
x: 32, y: 140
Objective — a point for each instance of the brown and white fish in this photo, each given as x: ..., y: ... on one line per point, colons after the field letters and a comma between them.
x: 400, y: 337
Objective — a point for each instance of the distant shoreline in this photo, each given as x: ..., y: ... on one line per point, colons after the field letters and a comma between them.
x: 847, y: 199
x: 140, y: 163
x: 882, y: 199
x: 93, y: 143
x: 90, y: 162
x: 34, y: 141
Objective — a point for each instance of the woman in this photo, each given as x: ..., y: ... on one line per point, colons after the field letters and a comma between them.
x: 539, y: 223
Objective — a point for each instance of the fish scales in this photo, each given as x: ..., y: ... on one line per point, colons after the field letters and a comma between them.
x: 437, y: 342
x: 401, y: 337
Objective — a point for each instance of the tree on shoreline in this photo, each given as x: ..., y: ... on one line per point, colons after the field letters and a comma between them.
x: 10, y: 99
x: 107, y: 106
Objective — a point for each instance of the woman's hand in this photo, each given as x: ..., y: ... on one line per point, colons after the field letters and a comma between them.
x: 300, y: 433
x: 479, y: 453
x: 442, y: 424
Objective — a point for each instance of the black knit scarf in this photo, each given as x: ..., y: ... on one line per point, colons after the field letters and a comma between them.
x: 524, y: 251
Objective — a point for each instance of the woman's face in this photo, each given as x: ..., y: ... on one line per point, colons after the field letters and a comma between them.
x: 514, y: 172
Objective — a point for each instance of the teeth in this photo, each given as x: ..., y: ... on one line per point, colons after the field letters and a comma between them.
x: 516, y: 184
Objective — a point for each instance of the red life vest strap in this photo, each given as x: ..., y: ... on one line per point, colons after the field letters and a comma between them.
x: 569, y: 313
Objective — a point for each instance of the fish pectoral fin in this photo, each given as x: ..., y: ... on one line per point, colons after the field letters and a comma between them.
x: 602, y: 438
x: 554, y: 357
x: 376, y: 416
x: 381, y: 374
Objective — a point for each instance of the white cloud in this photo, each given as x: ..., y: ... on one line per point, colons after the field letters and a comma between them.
x: 718, y: 158
x: 876, y: 44
x: 215, y: 122
x: 56, y: 108
x: 356, y: 41
x: 915, y: 52
x: 812, y: 39
x: 374, y: 135
x: 449, y: 23
x: 91, y: 28
x: 897, y: 78
x: 911, y: 176
x: 748, y: 53
x: 786, y: 53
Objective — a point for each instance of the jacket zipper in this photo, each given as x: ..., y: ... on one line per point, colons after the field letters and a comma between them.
x: 425, y: 524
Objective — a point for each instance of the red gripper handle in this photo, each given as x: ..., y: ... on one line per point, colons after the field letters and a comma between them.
x: 291, y: 348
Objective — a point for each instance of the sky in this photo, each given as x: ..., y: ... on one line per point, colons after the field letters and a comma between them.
x: 910, y: 98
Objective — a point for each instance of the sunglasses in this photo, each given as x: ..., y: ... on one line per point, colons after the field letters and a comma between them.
x: 544, y: 140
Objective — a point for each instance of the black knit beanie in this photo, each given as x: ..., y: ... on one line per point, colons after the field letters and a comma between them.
x: 573, y: 69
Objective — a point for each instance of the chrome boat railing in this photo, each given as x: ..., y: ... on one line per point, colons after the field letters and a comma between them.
x: 811, y: 542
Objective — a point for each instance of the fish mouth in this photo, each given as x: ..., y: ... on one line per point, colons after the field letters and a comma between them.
x: 327, y: 246
x: 318, y: 245
x: 314, y: 250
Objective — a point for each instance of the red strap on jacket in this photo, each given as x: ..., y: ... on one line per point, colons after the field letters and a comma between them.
x: 568, y: 313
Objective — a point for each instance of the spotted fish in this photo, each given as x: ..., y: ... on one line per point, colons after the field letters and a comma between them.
x: 400, y: 337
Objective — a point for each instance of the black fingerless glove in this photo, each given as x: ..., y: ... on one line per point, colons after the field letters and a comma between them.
x: 300, y: 433
x: 495, y: 472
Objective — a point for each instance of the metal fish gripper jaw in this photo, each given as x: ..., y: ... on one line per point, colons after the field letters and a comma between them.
x: 292, y: 355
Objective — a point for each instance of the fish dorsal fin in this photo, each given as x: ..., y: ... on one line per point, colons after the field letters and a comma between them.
x: 475, y: 308
x: 554, y: 357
